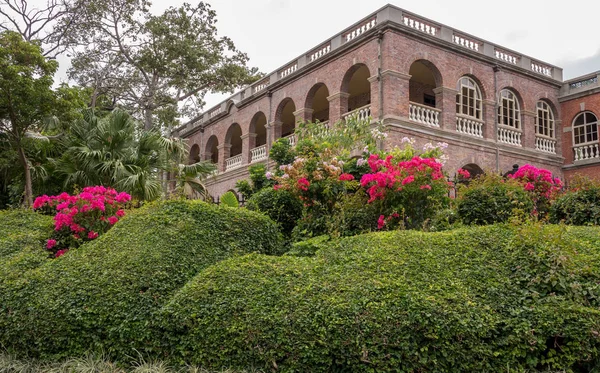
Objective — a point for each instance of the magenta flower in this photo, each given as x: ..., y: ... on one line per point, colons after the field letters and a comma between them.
x: 346, y: 177
x: 50, y: 243
x: 112, y: 220
x: 92, y: 235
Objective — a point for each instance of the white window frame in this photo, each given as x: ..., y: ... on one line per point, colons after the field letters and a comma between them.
x: 589, y: 128
x: 472, y: 101
x: 544, y: 120
x: 509, y: 110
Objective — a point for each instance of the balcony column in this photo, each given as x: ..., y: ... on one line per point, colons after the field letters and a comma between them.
x: 528, y: 129
x: 303, y: 115
x: 489, y: 117
x: 445, y: 100
x: 558, y: 130
x: 395, y: 94
x: 338, y: 106
x: 274, y: 132
x: 248, y: 143
x: 374, y: 80
x: 224, y: 152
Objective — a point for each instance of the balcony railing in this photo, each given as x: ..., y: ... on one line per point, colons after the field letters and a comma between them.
x: 509, y: 135
x: 469, y: 126
x: 233, y: 162
x: 362, y: 113
x: 585, y: 152
x: 424, y: 114
x: 291, y: 139
x: 545, y: 145
x: 258, y: 154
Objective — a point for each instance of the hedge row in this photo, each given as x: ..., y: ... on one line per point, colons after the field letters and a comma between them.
x: 105, y: 295
x: 480, y: 299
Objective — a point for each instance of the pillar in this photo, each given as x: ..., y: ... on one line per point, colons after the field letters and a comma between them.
x: 248, y: 143
x: 445, y: 100
x: 528, y: 129
x: 303, y: 115
x: 224, y: 151
x: 490, y: 116
x: 395, y: 94
x: 338, y: 106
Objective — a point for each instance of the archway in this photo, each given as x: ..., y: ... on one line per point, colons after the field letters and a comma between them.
x: 317, y: 101
x: 194, y: 156
x: 425, y: 77
x: 356, y: 84
x: 212, y: 150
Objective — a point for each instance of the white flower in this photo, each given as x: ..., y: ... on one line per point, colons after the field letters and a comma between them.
x: 285, y: 176
x: 428, y: 146
x: 442, y: 145
x: 269, y: 175
x: 361, y: 161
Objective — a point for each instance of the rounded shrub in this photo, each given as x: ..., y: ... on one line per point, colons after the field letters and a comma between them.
x: 490, y: 199
x: 578, y: 207
x: 105, y: 296
x: 476, y: 299
x: 280, y: 205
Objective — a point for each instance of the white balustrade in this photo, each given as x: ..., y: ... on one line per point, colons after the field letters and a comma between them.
x: 420, y: 25
x: 469, y: 126
x: 233, y: 162
x: 585, y: 152
x: 541, y: 69
x: 291, y: 139
x: 506, y: 57
x: 289, y: 70
x: 583, y: 83
x: 362, y: 113
x: 509, y: 135
x: 260, y: 87
x: 424, y: 114
x: 258, y: 154
x: 215, y: 112
x: 320, y: 53
x: 466, y: 43
x: 545, y: 145
x: 360, y: 30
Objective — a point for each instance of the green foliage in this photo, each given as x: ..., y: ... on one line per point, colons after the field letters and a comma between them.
x: 258, y: 181
x: 105, y: 296
x: 309, y: 247
x: 478, y: 299
x: 490, y: 199
x: 282, y: 152
x: 20, y: 230
x: 230, y: 200
x: 280, y: 205
x: 579, y: 205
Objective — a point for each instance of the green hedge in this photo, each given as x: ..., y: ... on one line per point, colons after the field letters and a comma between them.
x: 104, y: 296
x: 577, y: 207
x: 477, y: 299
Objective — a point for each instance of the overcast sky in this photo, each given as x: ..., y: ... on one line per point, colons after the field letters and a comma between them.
x: 273, y: 32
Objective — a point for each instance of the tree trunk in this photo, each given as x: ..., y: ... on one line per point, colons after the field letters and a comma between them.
x: 148, y: 119
x: 28, y: 188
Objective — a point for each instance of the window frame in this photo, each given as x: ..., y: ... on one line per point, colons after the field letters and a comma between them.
x: 585, y: 125
x: 464, y: 83
x: 550, y: 125
x: 505, y: 99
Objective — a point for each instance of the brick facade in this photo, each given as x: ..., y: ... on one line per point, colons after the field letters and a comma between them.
x: 404, y: 68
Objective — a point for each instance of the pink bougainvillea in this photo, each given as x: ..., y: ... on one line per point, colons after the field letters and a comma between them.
x: 81, y: 217
x: 539, y: 182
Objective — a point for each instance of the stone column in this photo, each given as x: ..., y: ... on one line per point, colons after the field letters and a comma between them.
x: 395, y: 94
x: 248, y: 143
x: 374, y: 80
x: 224, y: 151
x: 445, y: 100
x: 303, y: 115
x: 338, y: 106
x: 558, y: 131
x: 490, y: 116
x: 274, y: 129
x: 528, y: 129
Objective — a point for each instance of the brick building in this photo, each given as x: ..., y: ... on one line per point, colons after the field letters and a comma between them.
x: 494, y: 107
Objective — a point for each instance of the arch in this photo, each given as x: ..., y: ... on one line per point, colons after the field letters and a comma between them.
x: 545, y: 124
x: 356, y: 84
x: 212, y: 150
x: 316, y: 99
x: 585, y: 128
x: 194, y: 156
x: 258, y: 126
x: 285, y: 115
x: 425, y: 77
x: 469, y: 100
x: 234, y: 139
x: 509, y: 108
x: 474, y: 169
x: 230, y: 104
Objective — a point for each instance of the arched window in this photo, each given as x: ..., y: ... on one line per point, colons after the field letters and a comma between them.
x: 468, y: 99
x: 509, y: 113
x: 585, y: 128
x: 544, y: 120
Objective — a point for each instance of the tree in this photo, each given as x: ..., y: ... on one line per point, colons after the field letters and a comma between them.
x: 158, y: 67
x: 26, y: 97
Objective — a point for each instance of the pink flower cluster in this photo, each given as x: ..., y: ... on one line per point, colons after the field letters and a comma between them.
x: 82, y: 217
x: 388, y: 176
x: 538, y: 181
x: 303, y: 184
x: 463, y: 173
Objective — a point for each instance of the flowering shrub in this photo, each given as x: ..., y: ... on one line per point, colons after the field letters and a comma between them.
x: 540, y: 184
x: 82, y: 217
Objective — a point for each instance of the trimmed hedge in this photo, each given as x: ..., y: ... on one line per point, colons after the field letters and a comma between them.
x: 476, y: 299
x: 578, y: 207
x: 105, y: 295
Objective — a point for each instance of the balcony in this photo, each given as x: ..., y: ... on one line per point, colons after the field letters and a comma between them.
x: 424, y: 114
x: 362, y: 113
x: 233, y: 162
x: 469, y: 126
x: 258, y: 154
x: 587, y: 152
x: 509, y: 135
x: 291, y: 139
x: 545, y: 145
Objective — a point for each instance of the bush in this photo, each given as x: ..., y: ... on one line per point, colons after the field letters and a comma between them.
x: 490, y: 199
x: 280, y: 205
x: 105, y: 295
x: 578, y: 206
x: 477, y: 299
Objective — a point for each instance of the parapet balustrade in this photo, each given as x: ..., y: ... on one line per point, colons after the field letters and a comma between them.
x: 258, y: 154
x: 424, y: 114
x: 545, y: 145
x: 469, y: 126
x: 362, y: 113
x: 291, y: 139
x: 509, y: 135
x: 233, y: 162
x: 586, y: 152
